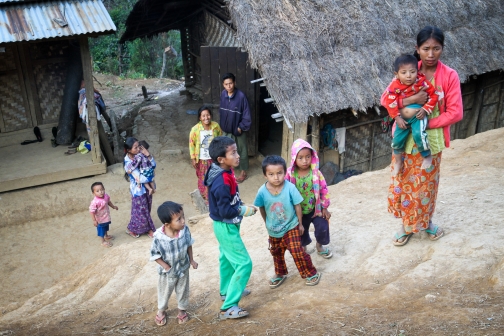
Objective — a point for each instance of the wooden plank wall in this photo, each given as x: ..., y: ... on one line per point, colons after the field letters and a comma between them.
x: 216, y: 61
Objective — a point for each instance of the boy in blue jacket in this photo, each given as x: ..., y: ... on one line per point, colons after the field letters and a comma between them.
x: 227, y: 212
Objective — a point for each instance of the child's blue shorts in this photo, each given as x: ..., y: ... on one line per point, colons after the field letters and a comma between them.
x: 102, y: 229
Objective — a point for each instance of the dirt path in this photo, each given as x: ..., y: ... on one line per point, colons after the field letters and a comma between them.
x: 57, y: 280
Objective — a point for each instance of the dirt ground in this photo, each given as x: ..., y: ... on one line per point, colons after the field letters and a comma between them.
x: 57, y: 280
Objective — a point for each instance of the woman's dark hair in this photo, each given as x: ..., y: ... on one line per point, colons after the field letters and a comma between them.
x: 273, y: 160
x: 204, y: 108
x: 405, y: 59
x: 228, y: 76
x: 128, y: 144
x: 166, y: 211
x: 426, y: 33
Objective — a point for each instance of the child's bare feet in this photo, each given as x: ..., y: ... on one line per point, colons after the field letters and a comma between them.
x: 108, y: 237
x: 397, y: 164
x: 427, y: 162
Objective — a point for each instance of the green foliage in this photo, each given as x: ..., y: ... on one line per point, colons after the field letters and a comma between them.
x: 141, y: 58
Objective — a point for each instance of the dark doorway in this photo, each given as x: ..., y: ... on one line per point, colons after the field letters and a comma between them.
x: 270, y: 131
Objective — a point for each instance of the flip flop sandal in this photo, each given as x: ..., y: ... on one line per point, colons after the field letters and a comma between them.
x: 161, y: 321
x: 396, y: 242
x: 242, y: 180
x: 109, y: 237
x: 326, y: 254
x: 434, y: 232
x: 309, y: 281
x: 26, y: 142
x: 71, y: 151
x: 132, y: 234
x: 244, y: 293
x: 233, y: 313
x: 182, y: 319
x: 107, y: 244
x: 278, y: 281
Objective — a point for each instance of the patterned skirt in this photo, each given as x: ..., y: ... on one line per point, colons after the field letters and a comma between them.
x: 141, y: 221
x: 201, y: 169
x: 413, y: 192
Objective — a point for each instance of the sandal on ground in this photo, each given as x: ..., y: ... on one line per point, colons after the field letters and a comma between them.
x: 106, y: 244
x: 275, y: 282
x: 326, y: 253
x: 109, y: 237
x: 233, y: 313
x: 182, y: 319
x: 161, y: 320
x: 433, y: 234
x: 313, y: 280
x: 397, y: 237
x: 240, y: 180
x: 132, y: 234
x: 244, y: 293
x: 71, y: 151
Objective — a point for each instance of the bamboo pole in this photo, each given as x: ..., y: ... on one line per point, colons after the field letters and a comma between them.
x: 87, y: 71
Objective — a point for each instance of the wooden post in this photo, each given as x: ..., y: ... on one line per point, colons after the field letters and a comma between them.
x: 287, y: 139
x: 144, y: 92
x: 87, y: 71
x: 315, y: 132
x: 371, y: 150
x: 500, y: 106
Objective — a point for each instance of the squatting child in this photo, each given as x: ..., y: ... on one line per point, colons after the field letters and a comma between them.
x: 280, y: 205
x: 145, y: 167
x: 407, y: 82
x: 100, y: 213
x: 227, y: 211
x: 172, y: 250
x: 304, y: 173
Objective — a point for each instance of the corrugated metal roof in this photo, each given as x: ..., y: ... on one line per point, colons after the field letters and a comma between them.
x: 35, y: 21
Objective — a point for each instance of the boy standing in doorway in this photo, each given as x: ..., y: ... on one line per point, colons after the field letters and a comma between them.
x: 235, y: 120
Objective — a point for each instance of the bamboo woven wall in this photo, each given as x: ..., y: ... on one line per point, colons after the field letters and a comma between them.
x: 32, y: 80
x: 14, y: 114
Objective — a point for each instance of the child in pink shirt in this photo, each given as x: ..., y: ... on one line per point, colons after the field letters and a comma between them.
x: 100, y: 212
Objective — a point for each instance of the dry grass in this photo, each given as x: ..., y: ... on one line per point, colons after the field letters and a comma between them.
x: 323, y: 56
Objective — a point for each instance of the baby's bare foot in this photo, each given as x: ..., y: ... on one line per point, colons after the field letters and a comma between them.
x: 427, y: 162
x: 397, y: 167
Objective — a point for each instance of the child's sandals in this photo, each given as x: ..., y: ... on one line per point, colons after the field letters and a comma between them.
x: 313, y: 280
x: 233, y: 313
x: 183, y: 318
x: 161, y: 320
x: 106, y: 244
x: 275, y: 282
x: 326, y: 253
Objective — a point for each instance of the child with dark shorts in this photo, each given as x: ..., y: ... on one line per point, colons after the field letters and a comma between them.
x: 100, y: 213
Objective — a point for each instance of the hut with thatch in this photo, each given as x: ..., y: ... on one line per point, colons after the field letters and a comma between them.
x: 324, y: 61
x: 327, y: 62
x: 44, y: 55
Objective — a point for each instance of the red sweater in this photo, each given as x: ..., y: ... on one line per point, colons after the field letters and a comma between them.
x: 396, y: 90
x: 450, y: 99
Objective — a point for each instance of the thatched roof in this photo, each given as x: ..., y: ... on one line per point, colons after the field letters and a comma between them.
x: 321, y: 56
